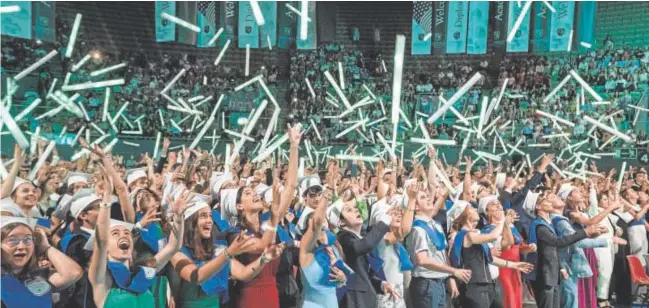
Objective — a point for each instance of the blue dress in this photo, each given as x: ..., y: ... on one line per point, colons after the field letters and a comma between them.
x: 316, y: 292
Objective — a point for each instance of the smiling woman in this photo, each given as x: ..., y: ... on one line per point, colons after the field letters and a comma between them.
x: 24, y: 284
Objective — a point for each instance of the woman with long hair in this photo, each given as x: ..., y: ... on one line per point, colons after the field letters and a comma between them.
x: 469, y: 250
x: 205, y: 263
x: 262, y: 290
x: 24, y: 283
x: 112, y: 263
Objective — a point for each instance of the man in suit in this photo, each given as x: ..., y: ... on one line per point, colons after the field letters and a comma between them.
x: 546, y: 286
x: 364, y: 285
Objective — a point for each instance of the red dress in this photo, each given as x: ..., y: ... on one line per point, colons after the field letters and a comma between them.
x: 261, y: 291
x: 510, y: 279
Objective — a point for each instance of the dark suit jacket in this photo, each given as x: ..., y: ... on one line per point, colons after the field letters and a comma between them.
x: 364, y: 286
x: 547, y: 264
x: 517, y: 198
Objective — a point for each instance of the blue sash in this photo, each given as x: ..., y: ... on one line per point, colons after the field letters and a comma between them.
x: 433, y: 234
x: 448, y: 204
x: 220, y: 223
x: 517, y: 236
x: 67, y: 238
x: 532, y: 256
x: 282, y: 234
x: 456, y: 250
x: 507, y: 205
x: 376, y: 262
x: 137, y: 284
x: 44, y: 222
x: 637, y: 222
x: 16, y: 295
x: 324, y: 261
x: 218, y: 283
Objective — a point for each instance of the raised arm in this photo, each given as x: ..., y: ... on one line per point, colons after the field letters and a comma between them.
x: 408, y: 216
x: 548, y: 237
x: 8, y: 183
x: 310, y: 239
x: 178, y: 207
x: 295, y: 135
x: 67, y: 271
x: 368, y: 242
x: 478, y: 238
x: 120, y: 187
x: 466, y: 192
x: 97, y: 268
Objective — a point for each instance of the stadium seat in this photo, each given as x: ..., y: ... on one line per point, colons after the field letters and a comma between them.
x: 638, y: 274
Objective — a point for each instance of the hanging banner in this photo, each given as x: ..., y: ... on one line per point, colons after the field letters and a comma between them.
x: 287, y: 25
x: 422, y: 23
x: 206, y: 20
x: 18, y: 24
x: 44, y: 21
x: 499, y: 10
x: 440, y: 10
x: 521, y: 41
x: 541, y: 18
x: 586, y: 24
x: 311, y: 41
x: 458, y: 21
x: 476, y: 43
x: 561, y: 25
x: 268, y: 32
x: 165, y: 31
x: 228, y: 15
x: 187, y: 11
x: 248, y: 29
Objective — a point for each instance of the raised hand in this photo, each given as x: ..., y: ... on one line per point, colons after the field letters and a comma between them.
x: 241, y: 244
x: 151, y: 215
x: 19, y: 156
x: 179, y: 205
x: 295, y: 134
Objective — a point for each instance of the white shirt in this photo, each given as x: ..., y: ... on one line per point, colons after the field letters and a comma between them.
x: 391, y: 265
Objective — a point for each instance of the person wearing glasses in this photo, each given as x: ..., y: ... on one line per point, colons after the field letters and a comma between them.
x: 24, y: 283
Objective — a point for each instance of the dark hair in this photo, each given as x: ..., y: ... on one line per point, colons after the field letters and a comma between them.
x: 201, y: 249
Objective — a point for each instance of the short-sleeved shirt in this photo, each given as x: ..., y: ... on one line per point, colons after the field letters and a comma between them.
x: 418, y: 241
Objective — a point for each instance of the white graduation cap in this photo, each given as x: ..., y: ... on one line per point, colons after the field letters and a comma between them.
x: 8, y: 205
x: 564, y: 191
x: 133, y: 175
x: 529, y: 205
x: 195, y: 208
x: 219, y: 181
x: 261, y: 188
x: 460, y: 189
x: 229, y: 203
x: 302, y: 221
x: 113, y: 223
x: 484, y: 201
x: 455, y: 211
x: 308, y: 182
x: 333, y: 212
x: 500, y: 179
x: 63, y: 207
x: 8, y: 220
x: 81, y: 202
x: 379, y: 208
x: 17, y: 183
x: 77, y: 177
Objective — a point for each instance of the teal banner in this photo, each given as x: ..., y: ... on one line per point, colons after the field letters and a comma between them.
x: 561, y: 24
x: 18, y: 24
x: 206, y: 20
x: 478, y: 26
x: 287, y: 25
x: 45, y: 21
x: 586, y: 24
x: 541, y: 20
x: 228, y: 21
x: 521, y: 41
x: 422, y: 23
x: 268, y: 32
x: 248, y: 29
x: 165, y: 31
x: 458, y: 21
x: 440, y: 10
x: 311, y: 41
x: 499, y: 12
x: 187, y: 12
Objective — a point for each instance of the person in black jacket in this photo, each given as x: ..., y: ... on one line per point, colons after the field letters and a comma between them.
x: 362, y: 289
x: 546, y: 286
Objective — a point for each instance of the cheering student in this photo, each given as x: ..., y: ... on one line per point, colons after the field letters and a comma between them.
x: 24, y: 283
x: 111, y: 264
x: 318, y: 256
x: 470, y: 250
x: 204, y: 263
x: 248, y: 207
x: 637, y: 207
x: 548, y: 269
